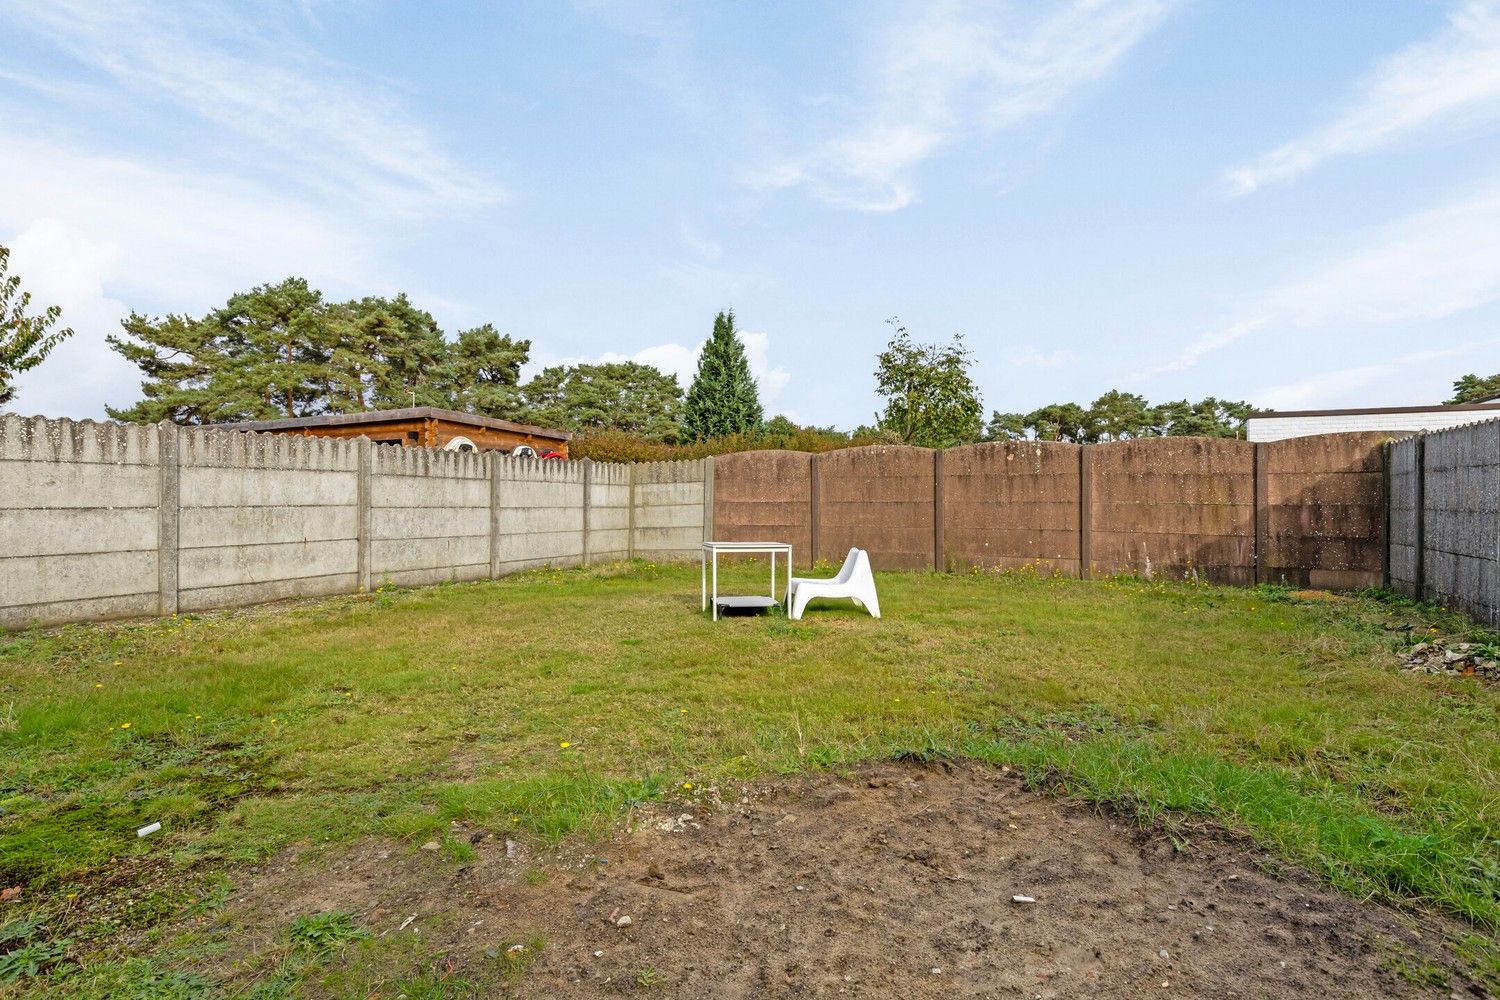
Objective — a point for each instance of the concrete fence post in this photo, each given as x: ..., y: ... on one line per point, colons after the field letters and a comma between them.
x: 169, y: 508
x: 708, y: 498
x: 364, y: 470
x: 494, y: 460
x: 938, y: 562
x: 1386, y: 451
x: 1260, y: 510
x: 813, y: 503
x: 588, y: 500
x: 630, y: 514
x: 1085, y: 512
x: 1419, y: 515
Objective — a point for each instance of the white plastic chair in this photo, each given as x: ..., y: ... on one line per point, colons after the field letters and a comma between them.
x: 855, y: 582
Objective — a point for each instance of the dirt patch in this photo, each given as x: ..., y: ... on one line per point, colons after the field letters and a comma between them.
x: 896, y: 881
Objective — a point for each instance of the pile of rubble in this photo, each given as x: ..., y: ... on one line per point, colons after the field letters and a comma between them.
x: 1462, y: 659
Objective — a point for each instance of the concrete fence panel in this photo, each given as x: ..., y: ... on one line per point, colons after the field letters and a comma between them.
x: 609, y: 513
x: 879, y: 498
x: 1404, y: 458
x: 1172, y: 507
x: 265, y: 516
x: 429, y: 515
x: 667, y: 509
x: 1323, y: 508
x: 1461, y: 520
x: 538, y: 513
x: 1011, y: 504
x: 763, y: 496
x: 79, y: 520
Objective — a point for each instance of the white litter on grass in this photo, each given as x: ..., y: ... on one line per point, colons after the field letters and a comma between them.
x: 1022, y: 899
x: 148, y: 829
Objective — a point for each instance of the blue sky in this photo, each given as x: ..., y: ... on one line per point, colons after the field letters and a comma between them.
x: 1291, y: 203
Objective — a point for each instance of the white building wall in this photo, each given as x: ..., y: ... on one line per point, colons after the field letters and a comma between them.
x: 1279, y: 427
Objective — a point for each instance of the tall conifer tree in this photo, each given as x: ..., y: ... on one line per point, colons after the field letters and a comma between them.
x: 723, y: 398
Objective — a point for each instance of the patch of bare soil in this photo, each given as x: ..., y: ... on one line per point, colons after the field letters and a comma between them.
x: 898, y: 881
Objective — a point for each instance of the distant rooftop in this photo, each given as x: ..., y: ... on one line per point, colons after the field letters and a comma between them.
x: 1493, y: 403
x: 387, y: 416
x: 1276, y: 425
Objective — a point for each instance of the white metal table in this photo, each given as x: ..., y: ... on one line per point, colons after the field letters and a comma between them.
x: 710, y: 557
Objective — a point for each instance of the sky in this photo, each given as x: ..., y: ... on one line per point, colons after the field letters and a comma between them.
x: 1294, y: 204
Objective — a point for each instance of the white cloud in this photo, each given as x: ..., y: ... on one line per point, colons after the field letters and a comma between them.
x: 682, y: 361
x: 694, y: 240
x: 771, y: 380
x: 1426, y: 267
x: 286, y: 108
x: 94, y: 231
x: 1452, y: 77
x: 947, y: 71
x: 1336, y: 387
x: 59, y: 267
x: 283, y: 163
x: 1031, y: 357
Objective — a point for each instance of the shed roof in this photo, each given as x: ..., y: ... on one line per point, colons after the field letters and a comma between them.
x: 1444, y: 408
x: 388, y: 416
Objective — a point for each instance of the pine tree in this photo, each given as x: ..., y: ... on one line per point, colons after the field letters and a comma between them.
x: 263, y: 354
x: 411, y: 350
x: 723, y: 398
x: 483, y: 373
x: 611, y: 396
x: 179, y: 357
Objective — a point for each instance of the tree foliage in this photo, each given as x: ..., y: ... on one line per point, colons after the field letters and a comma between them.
x: 283, y: 350
x: 26, y: 338
x: 777, y: 433
x: 723, y: 398
x: 616, y: 396
x: 1121, y: 416
x: 930, y: 398
x: 1468, y: 389
x: 484, y: 373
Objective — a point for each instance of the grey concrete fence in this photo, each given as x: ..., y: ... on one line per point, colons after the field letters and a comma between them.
x: 1445, y: 518
x: 104, y: 520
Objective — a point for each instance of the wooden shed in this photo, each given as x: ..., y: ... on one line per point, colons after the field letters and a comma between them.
x: 420, y: 427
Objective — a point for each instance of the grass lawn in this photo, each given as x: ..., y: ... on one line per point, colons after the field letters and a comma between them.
x: 549, y: 702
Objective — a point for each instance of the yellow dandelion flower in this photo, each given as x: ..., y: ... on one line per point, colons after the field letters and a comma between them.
x: 687, y: 785
x: 124, y: 725
x: 564, y: 745
x: 98, y: 685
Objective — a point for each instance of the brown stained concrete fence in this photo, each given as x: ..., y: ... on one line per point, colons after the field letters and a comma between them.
x: 1308, y: 511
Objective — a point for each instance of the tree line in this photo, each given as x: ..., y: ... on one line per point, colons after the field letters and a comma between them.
x: 932, y: 400
x: 285, y: 350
